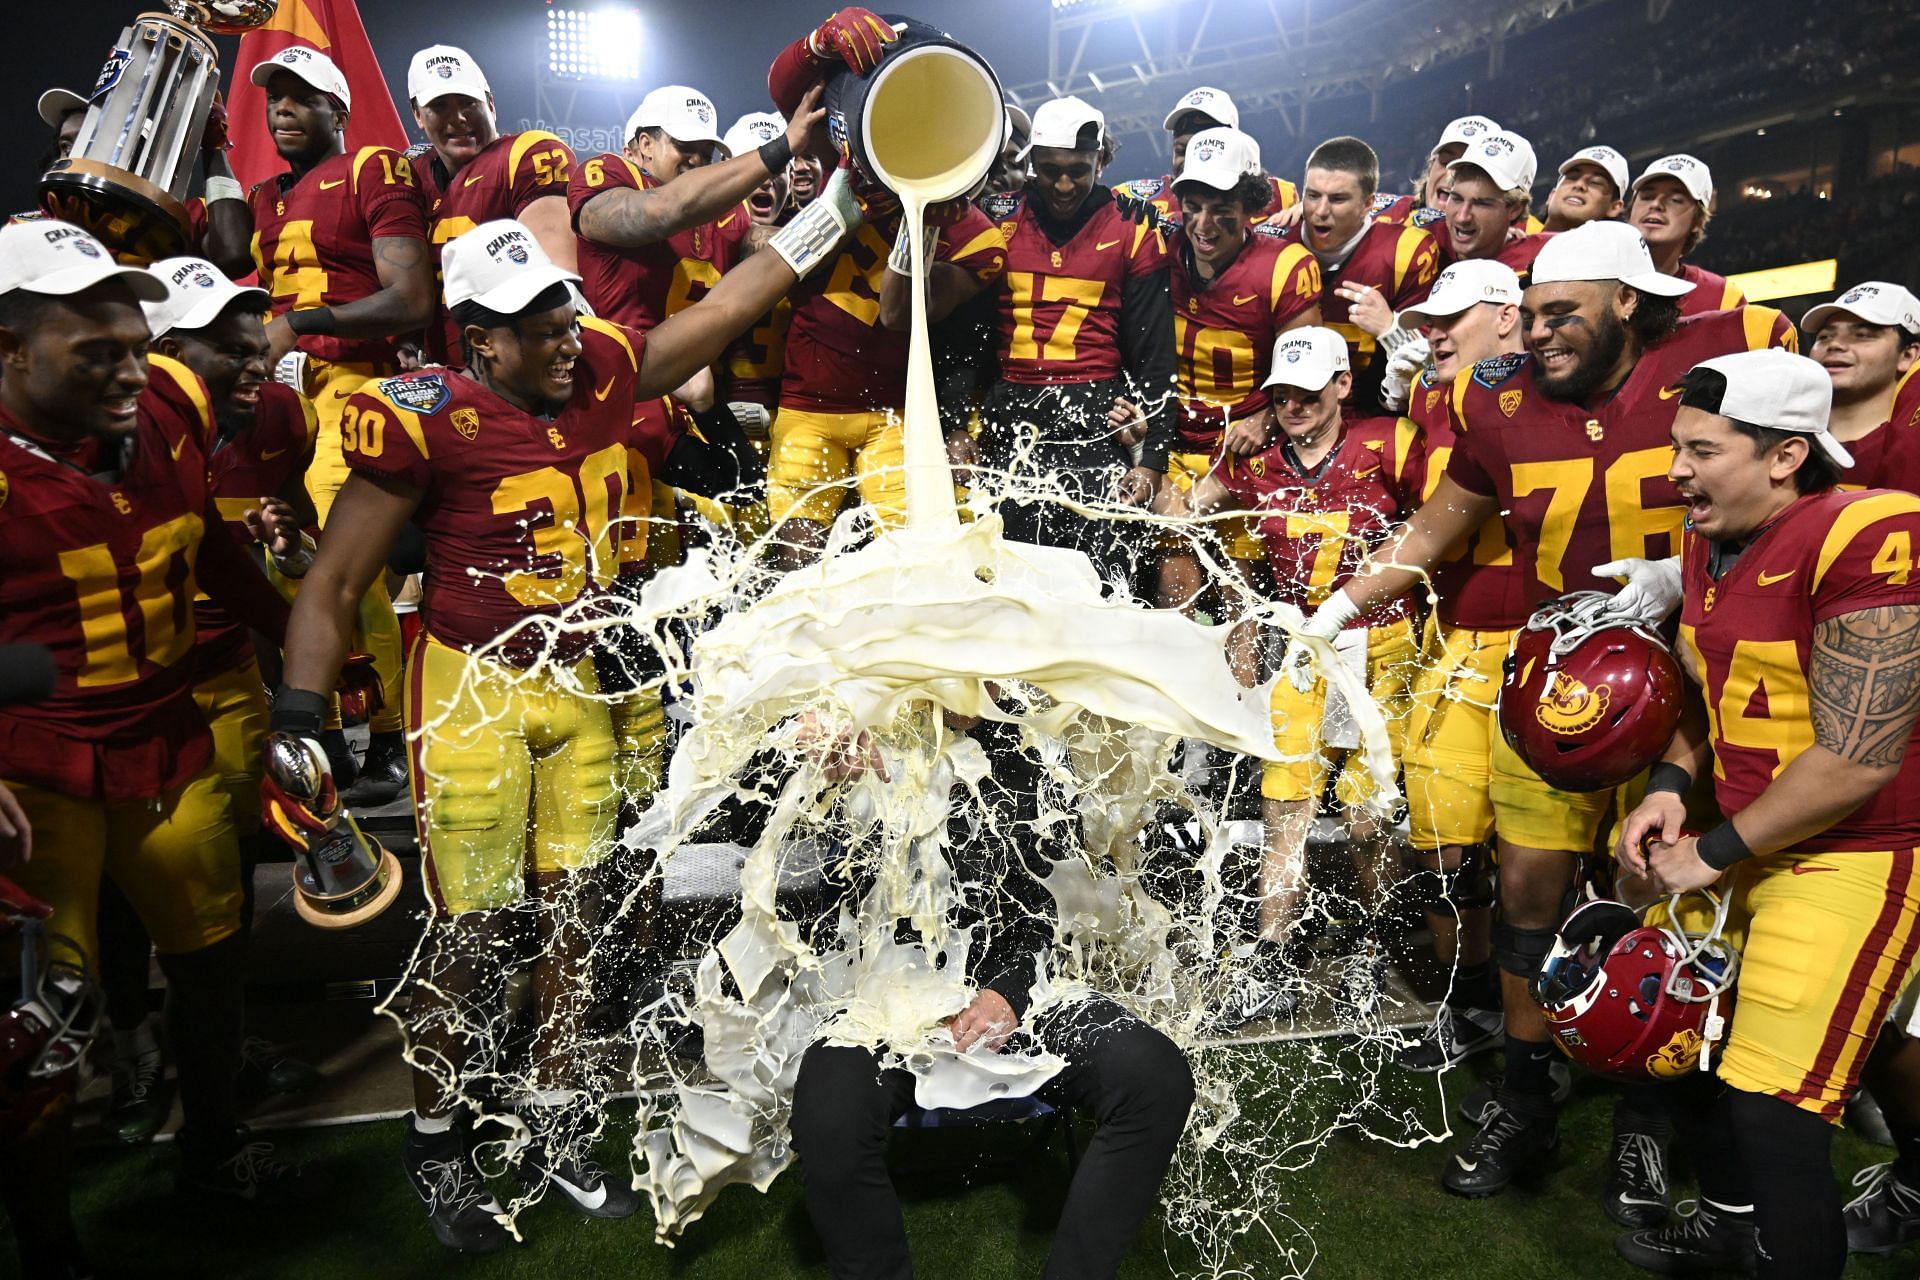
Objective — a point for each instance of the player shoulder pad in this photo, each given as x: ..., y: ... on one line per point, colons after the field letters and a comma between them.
x: 1495, y: 370
x: 424, y: 392
x: 184, y: 387
x: 1002, y: 206
x: 623, y: 338
x: 1425, y: 217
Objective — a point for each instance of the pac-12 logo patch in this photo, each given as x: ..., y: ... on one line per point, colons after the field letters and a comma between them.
x: 466, y: 422
x: 1569, y: 707
x: 1510, y: 402
x: 421, y: 394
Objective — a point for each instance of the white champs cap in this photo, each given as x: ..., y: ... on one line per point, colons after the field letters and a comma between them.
x: 1609, y: 161
x: 197, y: 293
x: 1505, y: 157
x: 1307, y: 358
x: 1469, y: 281
x: 1689, y: 172
x: 1875, y: 301
x: 43, y: 255
x: 1212, y: 103
x: 1604, y: 251
x: 440, y: 69
x: 687, y: 115
x: 57, y: 104
x: 753, y: 131
x: 1219, y: 158
x: 1465, y: 130
x: 1058, y: 122
x: 311, y: 65
x: 499, y: 265
x: 1782, y: 390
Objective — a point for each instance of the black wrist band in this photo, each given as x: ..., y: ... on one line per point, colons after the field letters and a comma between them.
x: 300, y: 711
x: 1669, y: 777
x: 777, y: 154
x: 1721, y: 847
x: 314, y: 320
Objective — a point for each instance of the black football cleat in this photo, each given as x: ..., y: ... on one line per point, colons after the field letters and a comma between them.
x: 266, y: 1070
x: 590, y: 1189
x: 461, y: 1208
x: 1512, y: 1144
x: 1454, y: 1036
x: 383, y: 773
x: 250, y: 1172
x: 1708, y: 1238
x: 1479, y: 1104
x: 1884, y: 1216
x: 1636, y: 1190
x: 140, y: 1101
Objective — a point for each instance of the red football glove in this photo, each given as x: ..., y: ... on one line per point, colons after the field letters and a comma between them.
x: 298, y: 799
x: 948, y: 212
x: 856, y: 36
x: 17, y: 904
x: 359, y: 688
x: 215, y: 138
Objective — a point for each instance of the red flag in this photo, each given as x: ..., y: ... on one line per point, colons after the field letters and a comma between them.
x: 334, y: 28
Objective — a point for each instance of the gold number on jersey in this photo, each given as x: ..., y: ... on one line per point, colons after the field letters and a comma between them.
x: 596, y: 171
x: 452, y: 228
x: 363, y: 431
x: 1568, y: 482
x: 1489, y: 541
x: 1081, y: 297
x: 550, y: 169
x: 399, y: 169
x: 689, y: 274
x: 296, y: 266
x: 858, y: 273
x: 1200, y: 350
x: 584, y: 554
x: 1631, y: 524
x: 110, y: 658
x: 1770, y: 668
x: 1895, y: 558
x: 1332, y: 528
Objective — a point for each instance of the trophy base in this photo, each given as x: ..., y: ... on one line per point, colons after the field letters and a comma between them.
x: 138, y: 221
x: 354, y: 909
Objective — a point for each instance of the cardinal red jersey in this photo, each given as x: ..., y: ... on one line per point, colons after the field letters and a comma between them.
x: 1749, y: 636
x: 262, y: 459
x: 1478, y: 586
x: 1223, y: 330
x: 512, y: 172
x: 1517, y: 253
x: 1401, y: 262
x: 758, y: 357
x: 313, y: 239
x: 101, y: 572
x: 641, y: 287
x: 1159, y: 192
x: 839, y: 359
x: 1710, y: 292
x: 1889, y: 458
x: 1580, y: 486
x: 1058, y: 305
x: 519, y: 511
x: 1319, y: 527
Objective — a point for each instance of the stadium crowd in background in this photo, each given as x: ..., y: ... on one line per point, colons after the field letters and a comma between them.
x: 1469, y: 426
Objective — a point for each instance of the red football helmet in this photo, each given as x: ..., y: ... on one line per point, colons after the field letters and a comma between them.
x: 1634, y: 999
x: 1588, y: 701
x: 52, y: 1018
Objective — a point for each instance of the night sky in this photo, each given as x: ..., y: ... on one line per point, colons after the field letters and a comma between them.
x: 721, y: 47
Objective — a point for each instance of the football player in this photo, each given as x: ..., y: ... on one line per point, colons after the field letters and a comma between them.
x: 340, y: 240
x: 103, y: 534
x: 1377, y: 269
x: 1009, y: 172
x: 1324, y: 495
x: 1808, y: 594
x: 1489, y: 189
x: 1085, y: 335
x: 1592, y: 182
x: 1427, y: 192
x: 1472, y: 314
x: 1199, y: 110
x: 769, y: 202
x: 63, y: 111
x: 476, y: 174
x: 1567, y: 442
x: 1867, y: 339
x: 1234, y: 292
x: 756, y: 360
x: 515, y: 469
x: 1670, y: 205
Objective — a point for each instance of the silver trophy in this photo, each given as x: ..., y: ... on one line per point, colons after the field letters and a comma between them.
x: 128, y: 175
x: 342, y: 876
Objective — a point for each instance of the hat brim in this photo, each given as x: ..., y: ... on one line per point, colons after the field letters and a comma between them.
x: 263, y: 72
x: 1505, y: 181
x: 210, y: 308
x: 512, y: 297
x: 1208, y: 176
x: 1818, y: 316
x: 447, y: 88
x: 706, y: 133
x: 62, y: 284
x: 1295, y: 377
x: 1202, y: 112
x: 1022, y: 122
x: 1842, y: 457
x: 1660, y: 285
x: 57, y: 104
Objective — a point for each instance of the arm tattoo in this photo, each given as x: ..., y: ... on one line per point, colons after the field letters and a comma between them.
x: 622, y: 218
x: 401, y: 253
x: 1865, y: 684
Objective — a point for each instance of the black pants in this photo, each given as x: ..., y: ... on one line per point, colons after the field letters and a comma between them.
x: 1130, y: 1077
x: 1061, y: 431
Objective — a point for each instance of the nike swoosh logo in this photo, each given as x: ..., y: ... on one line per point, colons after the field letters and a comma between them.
x: 268, y: 455
x: 1768, y: 579
x: 1102, y: 248
x: 605, y: 391
x: 1239, y: 301
x: 1668, y: 393
x: 581, y: 1196
x: 478, y: 177
x: 337, y: 182
x: 1466, y: 1166
x: 177, y: 447
x: 1801, y: 868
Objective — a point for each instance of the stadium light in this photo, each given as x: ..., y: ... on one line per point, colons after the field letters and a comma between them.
x: 594, y: 44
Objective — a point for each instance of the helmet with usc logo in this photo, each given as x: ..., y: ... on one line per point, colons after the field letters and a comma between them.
x: 1588, y: 701
x: 46, y: 1029
x: 1639, y: 998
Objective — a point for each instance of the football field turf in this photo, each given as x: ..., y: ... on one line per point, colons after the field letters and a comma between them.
x: 1374, y: 1210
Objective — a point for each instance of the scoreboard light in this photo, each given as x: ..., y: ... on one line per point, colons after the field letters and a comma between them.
x: 594, y: 44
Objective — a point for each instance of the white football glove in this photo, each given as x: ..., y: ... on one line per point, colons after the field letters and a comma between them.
x: 807, y: 241
x: 1301, y: 664
x: 1402, y: 368
x: 1652, y: 591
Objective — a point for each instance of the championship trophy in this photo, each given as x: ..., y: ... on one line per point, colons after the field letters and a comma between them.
x: 127, y: 177
x: 342, y: 877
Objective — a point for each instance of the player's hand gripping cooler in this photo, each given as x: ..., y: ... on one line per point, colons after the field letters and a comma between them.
x: 1589, y: 699
x: 1639, y: 996
x: 342, y: 876
x: 53, y: 1017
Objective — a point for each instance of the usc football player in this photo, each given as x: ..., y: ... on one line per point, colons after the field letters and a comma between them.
x: 1670, y: 205
x: 1198, y: 111
x: 1593, y: 182
x: 1868, y: 341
